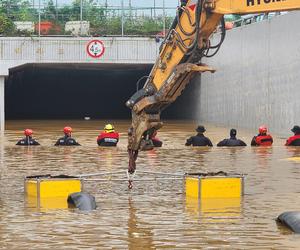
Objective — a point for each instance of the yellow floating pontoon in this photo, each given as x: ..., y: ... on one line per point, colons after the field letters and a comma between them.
x: 214, y: 185
x: 48, y: 191
x: 214, y: 194
x: 295, y: 159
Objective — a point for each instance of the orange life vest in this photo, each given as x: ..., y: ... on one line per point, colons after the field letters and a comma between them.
x: 264, y: 140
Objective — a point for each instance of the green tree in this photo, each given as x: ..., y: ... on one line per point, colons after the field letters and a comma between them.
x: 26, y: 12
x: 17, y: 10
x: 102, y: 20
x: 49, y: 12
x: 6, y: 25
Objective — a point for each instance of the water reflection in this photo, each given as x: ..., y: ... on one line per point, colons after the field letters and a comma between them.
x: 140, y: 234
x: 263, y: 154
x: 214, y: 208
x: 294, y: 154
x: 36, y: 204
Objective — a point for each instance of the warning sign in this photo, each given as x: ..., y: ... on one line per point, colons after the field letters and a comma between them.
x: 95, y: 48
x: 192, y: 4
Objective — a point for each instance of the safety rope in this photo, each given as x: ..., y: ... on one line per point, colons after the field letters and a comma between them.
x: 130, y: 177
x: 136, y: 180
x: 161, y: 173
x: 99, y: 174
x: 112, y: 176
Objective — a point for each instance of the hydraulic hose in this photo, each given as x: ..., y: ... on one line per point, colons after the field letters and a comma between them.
x: 218, y: 46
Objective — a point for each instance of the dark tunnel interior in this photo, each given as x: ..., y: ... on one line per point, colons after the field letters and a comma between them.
x: 68, y: 91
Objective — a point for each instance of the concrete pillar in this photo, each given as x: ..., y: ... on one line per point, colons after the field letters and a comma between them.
x: 2, y: 116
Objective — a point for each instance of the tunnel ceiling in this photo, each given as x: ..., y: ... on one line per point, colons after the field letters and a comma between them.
x: 73, y: 91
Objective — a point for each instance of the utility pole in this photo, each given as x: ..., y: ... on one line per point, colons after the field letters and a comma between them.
x: 154, y: 4
x: 164, y: 19
x: 81, y: 9
x: 81, y: 4
x: 130, y: 8
x: 56, y: 13
x: 39, y: 18
x: 122, y: 20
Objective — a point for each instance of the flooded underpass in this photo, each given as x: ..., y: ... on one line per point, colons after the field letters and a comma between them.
x: 75, y: 91
x: 154, y: 214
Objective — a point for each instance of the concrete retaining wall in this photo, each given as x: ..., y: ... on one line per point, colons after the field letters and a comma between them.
x: 258, y: 77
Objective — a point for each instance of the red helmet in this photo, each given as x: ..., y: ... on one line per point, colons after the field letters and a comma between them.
x: 67, y: 130
x: 28, y: 132
x: 263, y: 129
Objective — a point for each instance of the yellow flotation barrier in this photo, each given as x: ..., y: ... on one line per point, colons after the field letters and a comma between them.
x: 46, y: 191
x: 214, y: 185
x: 214, y: 194
x: 296, y: 159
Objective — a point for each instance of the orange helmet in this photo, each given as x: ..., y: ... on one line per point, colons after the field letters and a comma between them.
x: 67, y: 130
x: 28, y: 132
x: 263, y: 129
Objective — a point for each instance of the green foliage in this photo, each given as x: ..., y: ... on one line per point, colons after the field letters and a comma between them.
x: 237, y: 19
x: 6, y: 25
x: 106, y: 27
x: 50, y: 11
x: 145, y: 26
x: 25, y: 12
x: 232, y: 18
x: 17, y: 10
x: 138, y: 26
x: 102, y: 21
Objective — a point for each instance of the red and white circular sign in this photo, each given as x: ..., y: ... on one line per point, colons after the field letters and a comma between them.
x: 95, y: 48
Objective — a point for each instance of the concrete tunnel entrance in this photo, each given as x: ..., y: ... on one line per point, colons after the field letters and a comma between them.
x: 74, y: 91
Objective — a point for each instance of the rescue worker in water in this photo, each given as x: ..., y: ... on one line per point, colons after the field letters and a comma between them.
x: 294, y: 140
x: 199, y: 139
x: 155, y: 140
x: 28, y: 140
x: 109, y: 137
x: 262, y: 139
x: 150, y: 142
x: 67, y: 140
x: 232, y: 141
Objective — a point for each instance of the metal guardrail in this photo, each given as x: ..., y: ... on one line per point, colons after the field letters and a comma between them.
x: 254, y: 18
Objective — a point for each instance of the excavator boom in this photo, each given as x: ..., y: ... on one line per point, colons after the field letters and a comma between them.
x: 187, y: 42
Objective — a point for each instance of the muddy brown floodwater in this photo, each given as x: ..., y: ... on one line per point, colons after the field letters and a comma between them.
x: 154, y: 214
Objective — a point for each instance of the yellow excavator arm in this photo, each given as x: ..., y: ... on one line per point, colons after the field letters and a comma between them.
x: 180, y: 59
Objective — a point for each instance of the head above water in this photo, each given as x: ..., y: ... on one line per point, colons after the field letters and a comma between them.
x: 28, y: 132
x: 200, y: 129
x: 232, y: 132
x: 68, y: 130
x: 263, y: 129
x: 296, y: 129
x: 109, y: 128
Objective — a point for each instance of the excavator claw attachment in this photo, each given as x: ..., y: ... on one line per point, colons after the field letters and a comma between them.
x: 146, y: 112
